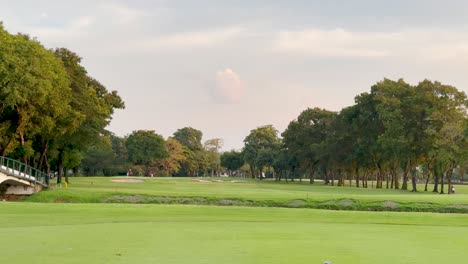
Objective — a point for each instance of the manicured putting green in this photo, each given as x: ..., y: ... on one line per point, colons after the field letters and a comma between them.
x: 132, y: 233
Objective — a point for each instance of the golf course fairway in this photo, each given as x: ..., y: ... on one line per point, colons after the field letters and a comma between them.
x: 183, y: 234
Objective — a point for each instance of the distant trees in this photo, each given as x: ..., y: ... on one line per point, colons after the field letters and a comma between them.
x: 391, y: 134
x: 146, y: 153
x: 146, y: 148
x: 196, y: 161
x: 212, y: 149
x: 177, y: 155
x: 305, y: 139
x: 232, y: 160
x: 259, y: 147
x: 393, y: 137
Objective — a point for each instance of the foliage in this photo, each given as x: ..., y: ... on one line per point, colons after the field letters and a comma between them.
x: 177, y: 155
x: 147, y: 148
x: 259, y: 144
x: 232, y: 160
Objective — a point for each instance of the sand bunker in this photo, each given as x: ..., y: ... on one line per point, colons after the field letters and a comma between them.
x: 128, y: 180
x: 198, y: 180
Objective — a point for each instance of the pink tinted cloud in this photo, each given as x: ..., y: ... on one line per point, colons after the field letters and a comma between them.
x: 229, y: 88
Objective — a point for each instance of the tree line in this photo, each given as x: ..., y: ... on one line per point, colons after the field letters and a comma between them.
x: 394, y: 134
x: 147, y: 153
x: 53, y: 116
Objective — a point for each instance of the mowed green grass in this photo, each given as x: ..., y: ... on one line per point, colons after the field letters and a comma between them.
x: 134, y: 233
x: 84, y: 189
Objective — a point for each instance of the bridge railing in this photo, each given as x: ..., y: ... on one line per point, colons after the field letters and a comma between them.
x: 22, y: 171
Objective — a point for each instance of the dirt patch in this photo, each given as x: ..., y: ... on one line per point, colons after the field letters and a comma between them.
x: 129, y: 180
x: 297, y: 203
x: 226, y: 202
x: 458, y: 206
x: 199, y: 180
x: 11, y: 197
x: 150, y: 199
x: 346, y: 202
x: 390, y: 204
x: 124, y: 199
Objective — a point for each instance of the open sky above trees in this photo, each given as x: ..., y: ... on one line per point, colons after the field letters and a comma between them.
x: 225, y: 67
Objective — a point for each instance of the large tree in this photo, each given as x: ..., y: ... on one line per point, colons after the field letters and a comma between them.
x: 259, y: 141
x: 94, y: 103
x: 305, y: 137
x: 177, y: 155
x: 212, y: 151
x: 35, y: 98
x: 232, y: 160
x: 146, y: 148
x: 197, y: 160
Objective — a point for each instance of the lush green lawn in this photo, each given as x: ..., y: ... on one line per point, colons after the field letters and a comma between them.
x: 130, y: 233
x: 104, y: 189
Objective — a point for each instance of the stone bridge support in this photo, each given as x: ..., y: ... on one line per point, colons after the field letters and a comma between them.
x: 17, y: 186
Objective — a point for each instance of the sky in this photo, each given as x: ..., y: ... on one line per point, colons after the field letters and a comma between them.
x: 227, y: 67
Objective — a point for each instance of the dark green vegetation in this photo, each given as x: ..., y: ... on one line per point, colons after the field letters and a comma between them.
x: 245, y: 192
x: 51, y: 110
x: 123, y: 233
x: 394, y: 133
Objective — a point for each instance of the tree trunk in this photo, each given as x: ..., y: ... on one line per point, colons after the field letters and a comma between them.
x: 404, y: 186
x: 252, y: 174
x: 442, y: 184
x: 350, y: 178
x: 364, y: 180
x: 7, y: 146
x: 436, y: 184
x: 60, y: 167
x: 66, y: 175
x: 357, y: 176
x: 379, y: 176
x: 449, y: 180
x: 311, y: 177
x: 387, y: 177
x: 395, y: 178
x: 42, y: 156
x: 392, y: 180
x: 413, y: 179
x: 427, y: 180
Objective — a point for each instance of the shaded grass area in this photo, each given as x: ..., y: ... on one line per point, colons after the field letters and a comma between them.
x: 134, y: 233
x: 242, y: 192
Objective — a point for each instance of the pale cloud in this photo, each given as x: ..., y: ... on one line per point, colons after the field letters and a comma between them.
x: 334, y: 43
x: 75, y: 29
x: 195, y: 39
x: 100, y: 30
x: 123, y: 14
x: 229, y: 88
x: 425, y: 44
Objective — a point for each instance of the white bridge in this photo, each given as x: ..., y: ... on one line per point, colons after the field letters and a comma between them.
x: 19, y: 178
